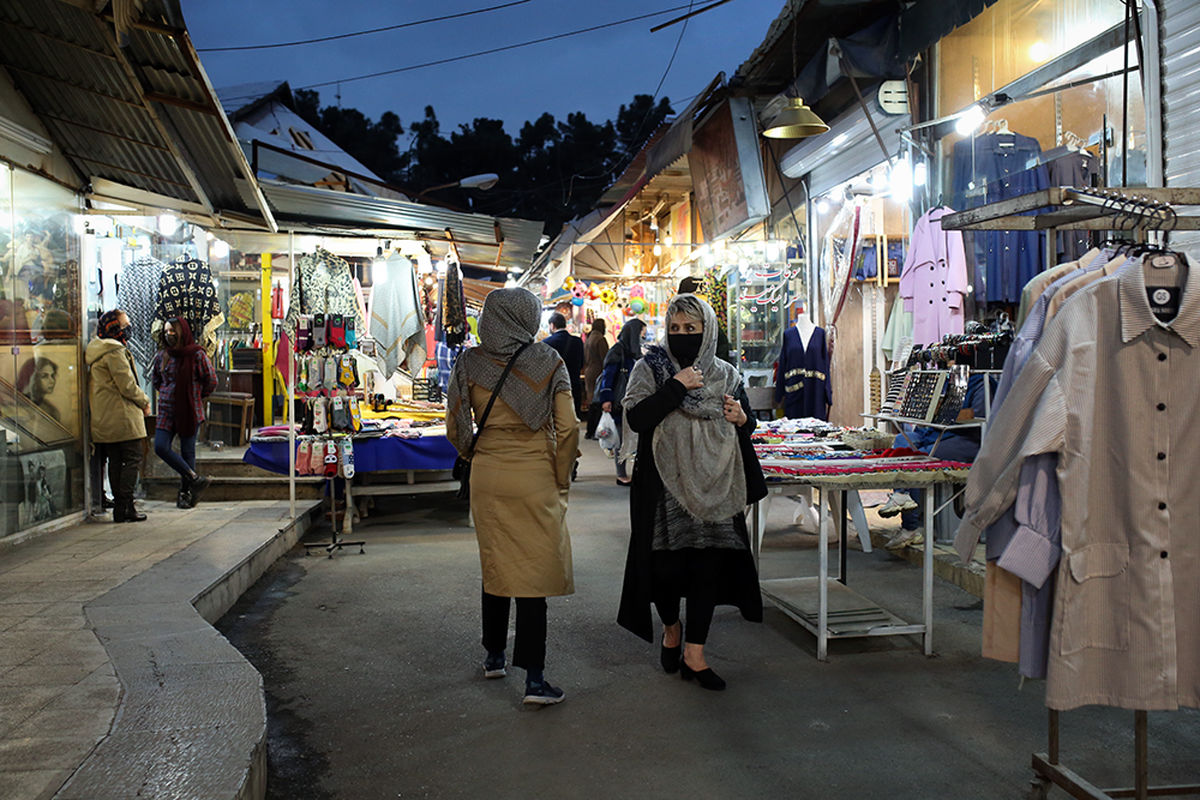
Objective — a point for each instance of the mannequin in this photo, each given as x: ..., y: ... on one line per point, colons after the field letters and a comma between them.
x: 804, y: 324
x: 802, y: 384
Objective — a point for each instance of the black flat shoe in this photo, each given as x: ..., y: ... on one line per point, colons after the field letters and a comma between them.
x: 670, y: 658
x: 705, y: 677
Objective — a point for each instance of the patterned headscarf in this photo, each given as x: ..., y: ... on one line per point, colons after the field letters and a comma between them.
x: 695, y: 450
x: 110, y: 326
x: 510, y: 318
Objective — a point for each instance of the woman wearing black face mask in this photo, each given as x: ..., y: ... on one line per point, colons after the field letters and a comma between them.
x: 183, y: 376
x: 694, y: 475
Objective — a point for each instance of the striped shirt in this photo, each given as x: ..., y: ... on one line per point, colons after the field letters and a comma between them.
x: 1113, y: 391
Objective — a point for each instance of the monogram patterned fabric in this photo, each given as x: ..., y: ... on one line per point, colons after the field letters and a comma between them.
x: 185, y: 289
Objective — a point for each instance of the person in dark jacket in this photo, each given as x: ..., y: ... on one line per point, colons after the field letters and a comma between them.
x: 595, y: 350
x: 183, y: 376
x: 694, y: 475
x: 617, y: 364
x: 571, y: 349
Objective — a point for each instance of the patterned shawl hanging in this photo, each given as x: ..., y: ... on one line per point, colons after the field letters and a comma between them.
x: 509, y: 319
x: 454, y: 307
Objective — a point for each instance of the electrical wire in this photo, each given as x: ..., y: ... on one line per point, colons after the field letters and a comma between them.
x: 492, y: 50
x: 335, y: 37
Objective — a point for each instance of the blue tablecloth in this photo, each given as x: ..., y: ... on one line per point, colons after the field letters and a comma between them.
x: 370, y: 455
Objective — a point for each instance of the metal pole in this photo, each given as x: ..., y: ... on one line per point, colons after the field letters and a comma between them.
x: 1141, y: 785
x: 291, y: 384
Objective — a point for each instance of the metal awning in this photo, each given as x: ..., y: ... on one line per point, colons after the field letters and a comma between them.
x: 498, y: 243
x: 128, y: 103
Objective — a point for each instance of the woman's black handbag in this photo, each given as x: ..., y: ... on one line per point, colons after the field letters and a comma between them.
x: 462, y: 464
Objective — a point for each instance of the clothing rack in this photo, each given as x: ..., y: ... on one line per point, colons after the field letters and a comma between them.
x: 1138, y: 210
x: 1047, y: 770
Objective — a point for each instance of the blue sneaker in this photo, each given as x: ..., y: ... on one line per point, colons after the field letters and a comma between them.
x: 494, y: 666
x: 542, y: 694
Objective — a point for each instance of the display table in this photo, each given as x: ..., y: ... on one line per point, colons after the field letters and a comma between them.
x: 374, y: 455
x: 828, y: 607
x: 379, y: 454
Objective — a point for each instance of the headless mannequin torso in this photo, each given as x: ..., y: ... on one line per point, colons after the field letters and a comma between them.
x: 804, y: 326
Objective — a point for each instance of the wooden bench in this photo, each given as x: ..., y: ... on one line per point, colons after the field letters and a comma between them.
x: 237, y: 412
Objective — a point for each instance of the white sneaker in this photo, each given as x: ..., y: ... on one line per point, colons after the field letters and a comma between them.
x: 904, y: 539
x: 898, y: 503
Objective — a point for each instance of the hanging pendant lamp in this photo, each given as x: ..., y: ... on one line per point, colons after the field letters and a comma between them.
x: 795, y: 121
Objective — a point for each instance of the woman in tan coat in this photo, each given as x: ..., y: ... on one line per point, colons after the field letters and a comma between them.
x: 521, y: 471
x: 118, y: 410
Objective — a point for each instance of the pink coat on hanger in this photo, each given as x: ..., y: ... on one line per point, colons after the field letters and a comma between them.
x: 934, y: 280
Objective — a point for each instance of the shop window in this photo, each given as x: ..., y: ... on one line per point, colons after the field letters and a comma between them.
x: 41, y: 369
x: 1078, y: 130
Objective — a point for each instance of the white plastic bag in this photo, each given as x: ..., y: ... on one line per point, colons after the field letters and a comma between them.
x: 608, y: 433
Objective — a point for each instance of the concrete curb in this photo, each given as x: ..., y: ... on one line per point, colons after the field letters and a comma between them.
x: 191, y: 719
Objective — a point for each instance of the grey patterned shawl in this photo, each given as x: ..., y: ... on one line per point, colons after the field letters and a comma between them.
x: 695, y: 449
x: 510, y: 318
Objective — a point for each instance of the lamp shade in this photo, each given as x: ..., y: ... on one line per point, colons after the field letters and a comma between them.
x: 795, y: 121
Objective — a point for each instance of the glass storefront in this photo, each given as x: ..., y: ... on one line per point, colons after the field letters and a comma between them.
x: 42, y: 461
x: 1085, y: 128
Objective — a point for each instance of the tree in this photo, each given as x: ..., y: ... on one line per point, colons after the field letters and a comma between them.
x: 371, y: 143
x: 552, y: 171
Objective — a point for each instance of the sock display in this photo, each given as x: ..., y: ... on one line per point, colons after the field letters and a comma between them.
x: 304, y: 332
x: 316, y: 466
x: 319, y: 332
x: 339, y: 415
x: 347, y: 375
x: 320, y: 415
x: 355, y: 414
x: 331, y: 458
x: 337, y: 331
x: 348, y: 457
x: 351, y: 337
x: 303, y: 454
x: 330, y: 373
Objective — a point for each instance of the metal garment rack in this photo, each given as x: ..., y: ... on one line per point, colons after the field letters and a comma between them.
x: 1139, y: 211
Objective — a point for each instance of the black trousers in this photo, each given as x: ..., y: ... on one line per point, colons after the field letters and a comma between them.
x: 692, y: 574
x: 123, y: 460
x: 96, y: 465
x: 593, y: 418
x: 529, y: 645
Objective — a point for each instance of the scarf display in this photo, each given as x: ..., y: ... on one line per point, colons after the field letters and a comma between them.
x: 184, y: 352
x: 454, y: 307
x: 397, y: 318
x: 695, y: 449
x: 510, y: 318
x: 137, y: 293
x: 185, y: 289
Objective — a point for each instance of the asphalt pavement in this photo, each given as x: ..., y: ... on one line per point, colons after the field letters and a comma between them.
x: 372, y: 668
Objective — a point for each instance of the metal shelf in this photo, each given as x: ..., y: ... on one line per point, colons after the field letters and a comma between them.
x: 1064, y: 207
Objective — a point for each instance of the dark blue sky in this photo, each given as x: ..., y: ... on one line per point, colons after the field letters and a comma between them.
x: 593, y: 72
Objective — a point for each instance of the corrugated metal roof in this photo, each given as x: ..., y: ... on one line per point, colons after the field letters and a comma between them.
x: 142, y: 115
x: 475, y: 235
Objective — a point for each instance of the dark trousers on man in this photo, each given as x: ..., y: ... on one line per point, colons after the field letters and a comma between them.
x: 123, y: 460
x: 529, y: 644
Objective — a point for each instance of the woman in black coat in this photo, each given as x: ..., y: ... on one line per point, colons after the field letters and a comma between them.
x: 695, y: 473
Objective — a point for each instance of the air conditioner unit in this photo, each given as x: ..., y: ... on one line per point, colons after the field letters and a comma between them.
x: 893, y: 97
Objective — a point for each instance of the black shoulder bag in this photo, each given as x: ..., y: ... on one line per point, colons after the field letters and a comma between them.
x: 462, y: 464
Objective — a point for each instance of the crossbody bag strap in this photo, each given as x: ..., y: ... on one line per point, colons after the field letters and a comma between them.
x: 496, y: 393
